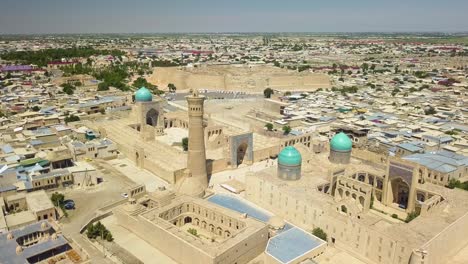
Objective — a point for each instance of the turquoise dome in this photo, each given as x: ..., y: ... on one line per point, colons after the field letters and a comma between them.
x: 143, y: 95
x: 290, y: 156
x: 341, y: 142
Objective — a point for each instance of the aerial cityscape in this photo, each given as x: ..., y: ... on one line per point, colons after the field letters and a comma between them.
x: 233, y: 133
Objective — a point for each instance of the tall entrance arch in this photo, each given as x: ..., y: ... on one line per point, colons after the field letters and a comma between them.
x: 241, y: 149
x: 152, y: 117
x: 400, y: 190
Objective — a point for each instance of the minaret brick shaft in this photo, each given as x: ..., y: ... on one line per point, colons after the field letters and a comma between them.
x: 196, y: 159
x: 195, y: 180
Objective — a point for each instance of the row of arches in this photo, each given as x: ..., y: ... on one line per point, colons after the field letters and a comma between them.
x: 369, y: 179
x: 214, y: 229
x: 347, y: 194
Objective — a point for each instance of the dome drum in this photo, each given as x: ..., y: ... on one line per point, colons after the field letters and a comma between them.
x: 289, y: 164
x: 340, y: 149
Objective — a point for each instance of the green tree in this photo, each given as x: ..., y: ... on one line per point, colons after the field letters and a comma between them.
x: 411, y: 216
x: 288, y: 93
x: 286, y: 129
x: 318, y: 232
x: 68, y: 88
x: 268, y: 92
x: 42, y: 57
x: 98, y: 230
x: 71, y: 118
x: 103, y: 86
x: 364, y: 67
x: 57, y: 199
x: 430, y: 110
x: 185, y: 143
x: 193, y: 231
x: 171, y: 87
x: 36, y: 108
x: 269, y: 126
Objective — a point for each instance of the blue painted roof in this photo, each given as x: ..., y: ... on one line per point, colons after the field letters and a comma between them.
x: 442, y: 161
x: 291, y: 244
x: 242, y: 207
x: 239, y: 206
x: 7, y: 149
x: 410, y: 147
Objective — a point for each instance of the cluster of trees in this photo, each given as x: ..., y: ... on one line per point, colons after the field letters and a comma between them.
x: 345, y: 90
x: 68, y: 88
x: 165, y: 63
x: 99, y: 230
x: 36, y: 108
x: 457, y: 184
x: 318, y: 232
x: 420, y: 74
x: 71, y: 118
x: 114, y: 76
x: 140, y: 82
x: 42, y: 57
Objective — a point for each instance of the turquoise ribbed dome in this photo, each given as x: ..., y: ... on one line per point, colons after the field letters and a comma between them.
x: 289, y: 156
x: 143, y: 95
x: 341, y: 142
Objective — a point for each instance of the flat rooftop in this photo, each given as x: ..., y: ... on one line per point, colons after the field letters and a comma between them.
x: 292, y: 244
x: 38, y: 201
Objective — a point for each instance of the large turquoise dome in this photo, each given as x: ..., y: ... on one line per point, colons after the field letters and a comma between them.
x: 143, y: 95
x: 341, y: 142
x: 289, y: 156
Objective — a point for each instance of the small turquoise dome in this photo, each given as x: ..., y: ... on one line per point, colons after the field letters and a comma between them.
x: 143, y: 95
x: 341, y: 142
x: 289, y: 156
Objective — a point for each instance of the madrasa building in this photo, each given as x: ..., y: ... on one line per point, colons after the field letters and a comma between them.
x: 380, y: 210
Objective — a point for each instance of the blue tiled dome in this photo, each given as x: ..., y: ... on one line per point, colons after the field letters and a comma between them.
x: 341, y: 142
x: 290, y: 156
x: 143, y: 95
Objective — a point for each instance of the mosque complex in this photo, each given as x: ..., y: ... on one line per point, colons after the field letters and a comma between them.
x: 378, y: 209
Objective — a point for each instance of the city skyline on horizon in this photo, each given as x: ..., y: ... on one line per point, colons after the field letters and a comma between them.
x: 209, y: 16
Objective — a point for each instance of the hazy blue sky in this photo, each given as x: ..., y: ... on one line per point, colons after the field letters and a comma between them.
x: 95, y: 16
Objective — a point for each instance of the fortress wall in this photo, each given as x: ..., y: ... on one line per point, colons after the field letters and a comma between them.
x: 238, y: 78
